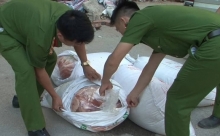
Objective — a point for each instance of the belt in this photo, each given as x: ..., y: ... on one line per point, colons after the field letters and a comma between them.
x: 214, y: 33
x: 211, y: 35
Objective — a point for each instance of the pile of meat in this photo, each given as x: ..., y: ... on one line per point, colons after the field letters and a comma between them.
x: 87, y: 99
x: 66, y: 65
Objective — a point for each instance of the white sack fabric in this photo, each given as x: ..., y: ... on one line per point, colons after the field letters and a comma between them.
x: 149, y: 113
x: 97, y: 61
x: 95, y: 121
x: 167, y: 72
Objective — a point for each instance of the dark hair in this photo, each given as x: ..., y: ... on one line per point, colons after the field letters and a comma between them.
x: 124, y: 7
x: 75, y: 25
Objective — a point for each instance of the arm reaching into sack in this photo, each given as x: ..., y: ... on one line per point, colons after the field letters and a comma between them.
x: 144, y: 79
x: 44, y: 80
x: 112, y: 64
x: 89, y: 72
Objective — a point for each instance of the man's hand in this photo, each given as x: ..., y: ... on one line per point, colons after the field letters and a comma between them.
x: 57, y: 104
x: 90, y: 73
x: 132, y: 99
x: 44, y: 79
x: 105, y: 86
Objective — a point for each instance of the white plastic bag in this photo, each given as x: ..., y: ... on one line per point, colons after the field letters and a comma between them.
x: 111, y: 97
x: 97, y: 62
x: 167, y: 72
x: 149, y: 113
x: 109, y: 6
x: 56, y: 78
x: 92, y: 121
x: 66, y: 65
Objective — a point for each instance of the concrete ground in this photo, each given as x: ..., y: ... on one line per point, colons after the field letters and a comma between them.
x: 106, y: 39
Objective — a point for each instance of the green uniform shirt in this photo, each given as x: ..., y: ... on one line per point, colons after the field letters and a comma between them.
x: 33, y: 24
x: 170, y: 29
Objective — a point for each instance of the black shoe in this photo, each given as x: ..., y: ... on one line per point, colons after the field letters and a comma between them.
x: 42, y: 132
x: 210, y: 122
x: 15, y: 102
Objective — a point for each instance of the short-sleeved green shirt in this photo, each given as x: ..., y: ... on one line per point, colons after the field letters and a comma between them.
x: 170, y: 29
x: 33, y: 24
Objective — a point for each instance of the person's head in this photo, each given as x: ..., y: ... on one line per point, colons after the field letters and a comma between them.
x: 74, y: 28
x: 122, y: 13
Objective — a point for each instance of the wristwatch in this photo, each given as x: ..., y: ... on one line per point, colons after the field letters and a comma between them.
x: 86, y: 63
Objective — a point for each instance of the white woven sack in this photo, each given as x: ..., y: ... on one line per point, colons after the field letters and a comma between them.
x: 167, y: 72
x: 91, y: 121
x: 149, y: 113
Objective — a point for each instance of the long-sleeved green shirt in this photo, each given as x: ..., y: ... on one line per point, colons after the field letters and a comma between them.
x: 33, y: 24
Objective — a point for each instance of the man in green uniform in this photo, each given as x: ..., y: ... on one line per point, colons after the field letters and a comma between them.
x: 212, y: 121
x: 28, y: 32
x: 175, y: 31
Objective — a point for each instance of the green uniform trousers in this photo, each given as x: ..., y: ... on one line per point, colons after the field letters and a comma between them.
x: 198, y: 76
x: 27, y: 88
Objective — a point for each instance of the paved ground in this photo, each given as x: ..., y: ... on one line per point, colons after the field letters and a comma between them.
x: 106, y: 39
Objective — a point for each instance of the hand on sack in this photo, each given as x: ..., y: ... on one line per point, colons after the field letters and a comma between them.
x: 105, y: 86
x: 90, y: 73
x: 132, y: 99
x: 57, y: 104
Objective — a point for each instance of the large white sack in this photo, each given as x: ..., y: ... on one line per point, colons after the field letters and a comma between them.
x: 97, y: 61
x: 167, y: 72
x: 92, y: 121
x: 149, y: 113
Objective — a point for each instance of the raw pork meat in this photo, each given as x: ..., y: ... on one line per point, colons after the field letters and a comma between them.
x: 66, y: 65
x: 87, y: 99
